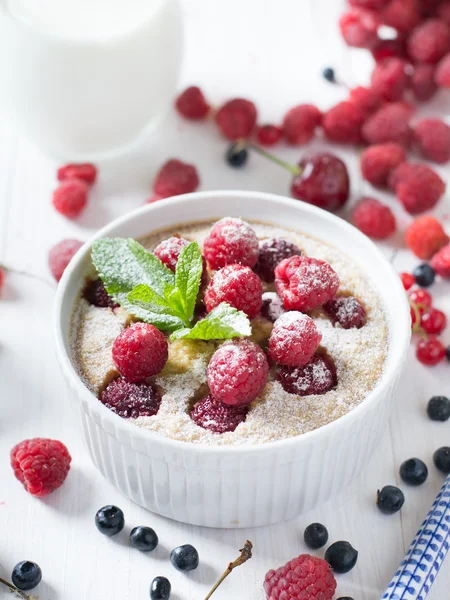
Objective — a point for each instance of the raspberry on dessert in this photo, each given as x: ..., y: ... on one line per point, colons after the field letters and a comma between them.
x: 140, y: 351
x: 317, y: 377
x: 418, y: 187
x: 423, y: 84
x: 432, y: 138
x: 303, y: 578
x: 441, y: 262
x: 131, y: 400
x: 192, y: 104
x: 342, y: 123
x: 389, y: 48
x: 300, y: 123
x: 60, y: 255
x: 379, y: 160
x: 434, y: 321
x: 305, y: 283
x: 374, y: 218
x: 231, y: 241
x: 402, y: 15
x: 237, y: 372
x: 366, y: 99
x: 168, y: 251
x: 407, y: 280
x: 429, y: 42
x: 442, y: 75
x: 389, y: 124
x: 236, y: 118
x: 272, y: 306
x: 41, y: 465
x: 269, y: 135
x: 70, y: 197
x: 174, y: 178
x: 95, y: 293
x: 86, y: 172
x: 238, y: 286
x: 271, y: 253
x: 390, y: 78
x: 430, y: 351
x: 443, y: 11
x: 425, y: 236
x: 294, y: 339
x: 347, y: 311
x: 369, y: 4
x: 214, y: 415
x: 359, y: 28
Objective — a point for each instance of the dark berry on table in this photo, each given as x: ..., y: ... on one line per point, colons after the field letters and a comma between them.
x: 143, y: 539
x: 110, y: 520
x: 160, y: 589
x: 131, y: 400
x: 329, y: 74
x: 345, y: 598
x: 272, y: 306
x: 271, y: 253
x: 269, y: 135
x: 236, y: 156
x: 231, y: 241
x: 424, y: 275
x: 140, y: 351
x: 184, y: 558
x: 238, y: 286
x: 447, y: 353
x: 212, y: 414
x: 341, y: 556
x: 315, y: 536
x: 347, y: 311
x: 26, y: 575
x: 95, y: 293
x: 317, y: 377
x: 430, y: 351
x: 414, y: 471
x: 438, y: 408
x: 390, y: 499
x: 441, y: 459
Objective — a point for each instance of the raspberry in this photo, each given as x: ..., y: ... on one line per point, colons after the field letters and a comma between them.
x: 389, y: 48
x: 379, y: 160
x: 317, y: 377
x: 407, y: 280
x: 300, y: 123
x: 323, y: 181
x: 238, y: 286
x: 70, y: 197
x: 175, y: 178
x: 434, y: 321
x: 347, y: 311
x: 423, y: 84
x: 359, y: 28
x: 168, y: 251
x: 214, y: 415
x: 303, y: 578
x: 269, y: 135
x: 192, y: 104
x: 60, y: 255
x: 432, y: 137
x: 95, y: 293
x: 140, y: 351
x: 366, y: 99
x: 369, y: 4
x: 304, y: 283
x: 374, y: 218
x: 131, y: 400
x: 271, y: 253
x: 402, y: 15
x: 443, y: 11
x: 425, y: 236
x: 237, y: 372
x: 272, y: 306
x: 86, y: 172
x: 41, y: 465
x: 343, y: 122
x: 389, y: 124
x: 442, y: 75
x: 2, y: 279
x: 430, y: 351
x: 231, y: 241
x: 441, y: 262
x: 401, y: 173
x: 419, y: 189
x: 429, y: 42
x: 390, y: 78
x: 236, y: 118
x: 294, y: 339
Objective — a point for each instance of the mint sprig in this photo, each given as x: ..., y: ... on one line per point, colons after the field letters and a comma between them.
x: 222, y: 323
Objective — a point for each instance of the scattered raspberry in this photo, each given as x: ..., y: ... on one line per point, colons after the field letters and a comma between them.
x: 272, y: 306
x: 389, y: 124
x: 430, y: 351
x: 423, y: 84
x: 418, y: 187
x: 70, y: 197
x: 432, y: 137
x: 421, y: 298
x: 95, y: 293
x: 433, y: 321
x: 407, y: 280
x: 429, y: 42
x: 366, y: 99
x: 237, y: 372
x: 238, y: 286
x: 369, y: 4
x: 192, y: 104
x: 401, y: 173
x: 347, y: 311
x: 425, y: 236
x: 359, y: 28
x: 374, y: 218
x: 231, y: 241
x: 379, y: 160
x: 390, y: 78
x: 175, y: 178
x: 131, y: 400
x: 303, y: 578
x: 304, y: 283
x: 236, y: 118
x: 442, y: 75
x: 269, y: 135
x: 317, y: 377
x: 140, y: 351
x: 271, y: 253
x: 168, y: 251
x: 300, y: 123
x: 294, y: 339
x: 41, y: 465
x: 441, y: 262
x: 214, y: 415
x: 389, y: 48
x: 443, y: 11
x: 60, y: 256
x: 2, y: 279
x: 343, y: 123
x: 402, y: 15
x: 86, y: 172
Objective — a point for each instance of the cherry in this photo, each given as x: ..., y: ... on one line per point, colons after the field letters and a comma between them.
x: 433, y: 321
x: 430, y: 351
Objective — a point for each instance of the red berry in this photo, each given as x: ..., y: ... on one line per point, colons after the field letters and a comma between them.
x: 407, y: 280
x: 423, y: 84
x: 60, y: 255
x: 300, y: 123
x: 192, y: 104
x: 237, y: 372
x: 429, y: 42
x: 95, y: 293
x: 441, y: 262
x: 369, y: 4
x: 430, y: 351
x: 231, y: 241
x: 214, y: 415
x: 168, y: 251
x: 389, y: 48
x: 359, y: 28
x: 41, y: 465
x: 419, y: 189
x: 390, y: 78
x: 425, y: 236
x: 272, y: 306
x: 2, y: 279
x: 366, y: 99
x: 323, y: 181
x: 379, y: 160
x: 271, y: 253
x: 86, y: 172
x: 140, y: 351
x: 269, y: 135
x: 236, y: 118
x: 131, y: 400
x: 442, y: 75
x: 343, y: 122
x: 175, y: 178
x: 413, y: 317
x: 374, y: 218
x: 432, y: 137
x: 238, y: 286
x: 347, y: 311
x: 389, y: 124
x: 433, y: 321
x: 294, y: 339
x: 317, y: 377
x: 70, y: 197
x: 402, y: 15
x: 421, y: 298
x: 443, y: 11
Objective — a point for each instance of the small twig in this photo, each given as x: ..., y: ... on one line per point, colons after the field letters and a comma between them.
x: 30, y: 275
x: 16, y: 590
x: 294, y: 169
x: 246, y: 554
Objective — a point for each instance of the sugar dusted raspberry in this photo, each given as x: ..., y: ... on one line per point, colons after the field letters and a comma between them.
x: 236, y: 118
x: 70, y: 197
x: 237, y: 372
x: 442, y: 75
x: 389, y: 48
x: 432, y: 137
x: 407, y: 280
x: 269, y: 135
x: 294, y: 339
x: 272, y: 306
x: 402, y: 15
x: 389, y: 124
x: 60, y: 255
x: 271, y: 253
x: 140, y: 351
x: 231, y: 241
x: 168, y: 251
x: 443, y: 11
x: 379, y: 160
x: 300, y: 123
x: 390, y: 78
x: 359, y: 28
x: 41, y: 465
x: 192, y: 104
x: 429, y: 42
x: 430, y: 351
x: 214, y: 415
x: 441, y: 262
x: 374, y: 218
x: 95, y: 293
x: 238, y: 286
x: 347, y: 311
x: 366, y: 99
x: 174, y: 178
x: 305, y: 283
x: 423, y: 84
x: 425, y: 236
x: 418, y: 187
x: 86, y: 172
x: 343, y: 122
x: 316, y: 377
x: 131, y: 400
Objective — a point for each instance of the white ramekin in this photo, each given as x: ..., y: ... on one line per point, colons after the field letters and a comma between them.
x: 237, y: 486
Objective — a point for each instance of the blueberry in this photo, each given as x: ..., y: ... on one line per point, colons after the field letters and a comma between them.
x: 316, y: 536
x: 390, y: 499
x: 329, y: 74
x: 184, y: 558
x: 110, y: 520
x: 345, y: 598
x: 442, y: 459
x: 447, y: 353
x: 424, y: 275
x: 236, y: 155
x: 341, y: 556
x: 438, y: 408
x: 143, y: 539
x: 26, y: 575
x: 414, y: 471
x: 160, y: 589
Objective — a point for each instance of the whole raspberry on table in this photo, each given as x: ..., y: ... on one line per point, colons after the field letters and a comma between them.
x: 214, y: 415
x: 300, y: 123
x: 168, y: 251
x: 374, y: 218
x: 423, y: 84
x: 269, y: 135
x: 41, y: 465
x: 271, y: 253
x: 389, y: 48
x: 430, y: 351
x: 429, y: 42
x: 389, y: 124
x: 86, y: 172
x: 402, y: 15
x: 303, y: 578
x: 390, y: 78
x: 379, y: 160
x: 366, y: 99
x: 95, y: 293
x: 272, y: 306
x: 231, y: 241
x: 441, y: 262
x: 174, y: 178
x: 140, y: 351
x: 60, y: 256
x: 347, y: 311
x: 432, y: 138
x: 70, y: 197
x: 2, y: 279
x: 425, y: 236
x: 294, y: 339
x: 238, y: 286
x: 442, y: 75
x: 342, y: 123
x: 359, y: 28
x: 237, y: 372
x: 418, y: 187
x: 192, y: 104
x: 131, y: 400
x: 236, y: 118
x: 317, y: 377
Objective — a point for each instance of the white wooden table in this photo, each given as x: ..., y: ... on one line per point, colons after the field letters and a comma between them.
x: 272, y: 52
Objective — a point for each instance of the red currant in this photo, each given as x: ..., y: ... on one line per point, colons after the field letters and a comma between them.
x: 433, y: 321
x: 430, y: 351
x: 421, y: 298
x: 407, y: 280
x: 413, y: 316
x: 269, y: 135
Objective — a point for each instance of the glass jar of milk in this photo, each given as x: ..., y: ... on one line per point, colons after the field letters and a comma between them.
x: 87, y: 78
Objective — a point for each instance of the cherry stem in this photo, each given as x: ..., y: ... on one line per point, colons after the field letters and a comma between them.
x: 25, y: 274
x: 282, y: 163
x: 14, y: 589
x: 246, y: 554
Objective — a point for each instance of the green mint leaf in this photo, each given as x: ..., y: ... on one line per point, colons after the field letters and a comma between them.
x: 187, y: 279
x: 223, y: 322
x: 143, y: 295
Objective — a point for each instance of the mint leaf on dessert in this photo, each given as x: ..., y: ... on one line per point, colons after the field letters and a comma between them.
x: 143, y: 295
x: 222, y: 323
x: 188, y: 275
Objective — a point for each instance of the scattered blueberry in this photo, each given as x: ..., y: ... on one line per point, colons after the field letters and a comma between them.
x: 110, y: 520
x: 184, y: 558
x: 143, y: 539
x: 414, y: 471
x: 329, y: 75
x: 160, y: 589
x: 316, y: 536
x: 341, y: 556
x: 442, y: 459
x: 236, y: 155
x: 438, y: 408
x: 26, y: 575
x: 345, y: 598
x: 447, y: 353
x: 424, y: 275
x: 390, y: 499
